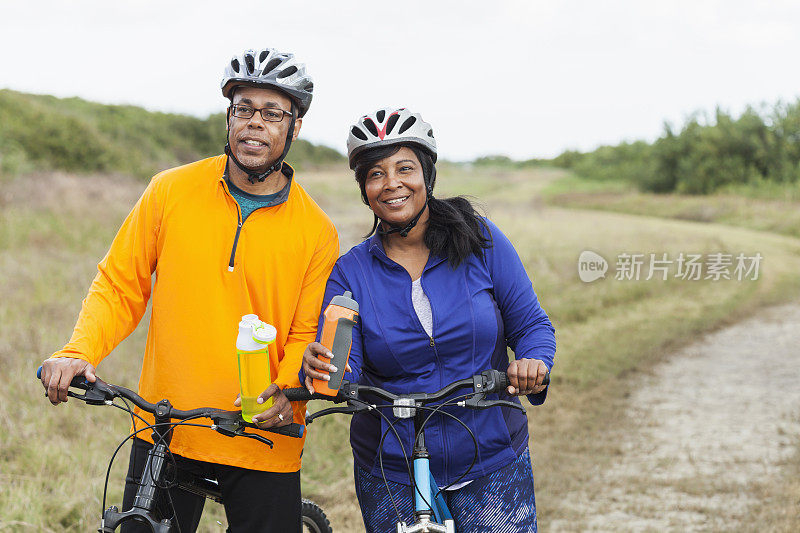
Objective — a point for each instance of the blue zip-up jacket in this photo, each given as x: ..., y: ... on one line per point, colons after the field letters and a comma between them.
x: 479, y: 308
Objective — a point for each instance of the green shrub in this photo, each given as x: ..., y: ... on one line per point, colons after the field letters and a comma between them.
x: 706, y: 155
x: 44, y: 132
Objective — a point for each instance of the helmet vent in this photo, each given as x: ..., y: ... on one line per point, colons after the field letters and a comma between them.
x: 371, y: 126
x: 391, y: 123
x: 430, y: 134
x: 358, y: 133
x: 269, y: 67
x: 380, y: 115
x: 287, y: 72
x: 407, y: 124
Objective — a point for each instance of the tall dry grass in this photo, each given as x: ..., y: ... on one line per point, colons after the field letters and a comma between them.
x: 54, y: 229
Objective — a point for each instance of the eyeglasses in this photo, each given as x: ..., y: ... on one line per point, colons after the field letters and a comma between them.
x: 269, y: 114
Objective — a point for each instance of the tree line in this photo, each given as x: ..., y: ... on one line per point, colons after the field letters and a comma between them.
x: 708, y: 153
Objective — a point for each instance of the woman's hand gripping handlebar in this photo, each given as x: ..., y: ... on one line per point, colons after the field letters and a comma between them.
x: 229, y: 423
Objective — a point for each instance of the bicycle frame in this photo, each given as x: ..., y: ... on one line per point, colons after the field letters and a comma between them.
x: 424, y: 493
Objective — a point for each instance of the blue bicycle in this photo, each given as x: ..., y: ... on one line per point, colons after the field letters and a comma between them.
x: 431, y: 513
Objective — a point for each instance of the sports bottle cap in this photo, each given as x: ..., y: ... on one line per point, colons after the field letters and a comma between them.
x: 264, y: 333
x: 251, y: 320
x: 345, y: 300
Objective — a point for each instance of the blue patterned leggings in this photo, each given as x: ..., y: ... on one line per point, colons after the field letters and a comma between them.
x: 502, y: 502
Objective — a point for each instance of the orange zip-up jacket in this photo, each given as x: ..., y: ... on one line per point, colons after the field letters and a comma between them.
x: 184, y: 229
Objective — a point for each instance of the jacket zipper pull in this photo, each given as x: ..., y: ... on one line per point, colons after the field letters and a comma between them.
x: 235, y: 242
x: 432, y: 343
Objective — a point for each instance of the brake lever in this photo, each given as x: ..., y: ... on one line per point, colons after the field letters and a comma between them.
x: 477, y: 401
x: 97, y: 393
x: 345, y: 410
x: 234, y: 426
x: 506, y: 403
x: 259, y: 438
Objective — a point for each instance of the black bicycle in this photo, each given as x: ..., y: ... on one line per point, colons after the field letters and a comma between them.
x: 160, y: 471
x: 431, y: 513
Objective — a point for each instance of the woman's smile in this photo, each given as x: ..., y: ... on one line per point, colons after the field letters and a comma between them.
x: 397, y: 202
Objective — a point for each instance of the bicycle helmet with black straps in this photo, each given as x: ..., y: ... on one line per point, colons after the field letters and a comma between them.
x: 267, y: 66
x: 389, y: 126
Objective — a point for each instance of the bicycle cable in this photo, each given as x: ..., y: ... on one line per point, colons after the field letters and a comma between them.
x: 373, y: 407
x: 131, y: 412
x: 391, y: 425
x: 132, y: 435
x: 453, y: 402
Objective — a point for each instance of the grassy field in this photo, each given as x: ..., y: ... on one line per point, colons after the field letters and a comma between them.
x: 771, y: 208
x: 55, y: 227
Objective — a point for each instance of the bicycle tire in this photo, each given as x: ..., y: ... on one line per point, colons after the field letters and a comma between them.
x: 314, y: 519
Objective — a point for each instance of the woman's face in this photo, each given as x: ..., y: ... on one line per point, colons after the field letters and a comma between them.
x: 395, y: 187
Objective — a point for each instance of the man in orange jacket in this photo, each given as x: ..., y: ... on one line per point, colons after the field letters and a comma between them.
x: 226, y: 236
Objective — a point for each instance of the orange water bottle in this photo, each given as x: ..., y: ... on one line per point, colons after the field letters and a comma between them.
x: 337, y: 336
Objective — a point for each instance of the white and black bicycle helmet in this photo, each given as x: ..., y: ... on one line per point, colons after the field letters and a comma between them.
x: 257, y: 68
x: 389, y: 126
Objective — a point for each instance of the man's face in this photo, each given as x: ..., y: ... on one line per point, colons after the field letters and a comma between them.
x: 255, y: 142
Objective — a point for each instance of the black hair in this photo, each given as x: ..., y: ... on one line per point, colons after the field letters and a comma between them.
x: 455, y: 228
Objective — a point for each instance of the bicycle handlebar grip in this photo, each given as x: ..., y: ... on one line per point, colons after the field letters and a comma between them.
x: 298, y: 394
x: 503, y: 381
x: 77, y: 381
x: 292, y: 430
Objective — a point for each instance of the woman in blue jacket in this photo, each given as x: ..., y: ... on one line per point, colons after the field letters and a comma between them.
x: 442, y: 294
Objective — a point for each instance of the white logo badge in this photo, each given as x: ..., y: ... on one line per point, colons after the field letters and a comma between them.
x: 591, y: 266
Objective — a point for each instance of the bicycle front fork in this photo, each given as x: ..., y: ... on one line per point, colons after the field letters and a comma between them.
x: 145, y: 500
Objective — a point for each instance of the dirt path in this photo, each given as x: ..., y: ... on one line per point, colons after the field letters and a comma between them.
x: 706, y: 428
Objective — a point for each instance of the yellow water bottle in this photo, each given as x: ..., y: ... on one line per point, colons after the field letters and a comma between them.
x: 252, y: 352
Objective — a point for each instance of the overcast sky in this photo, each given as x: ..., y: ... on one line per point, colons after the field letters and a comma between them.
x: 525, y: 78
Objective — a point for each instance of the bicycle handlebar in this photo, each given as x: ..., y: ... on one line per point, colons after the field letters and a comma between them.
x: 487, y: 382
x: 229, y: 423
